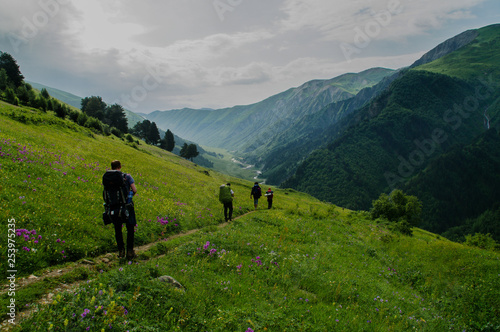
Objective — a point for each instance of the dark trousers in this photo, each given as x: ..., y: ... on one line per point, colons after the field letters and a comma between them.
x: 269, y: 203
x: 228, y: 207
x: 130, y: 232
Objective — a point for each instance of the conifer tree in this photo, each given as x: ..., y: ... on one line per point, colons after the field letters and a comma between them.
x: 4, y: 79
x: 115, y: 117
x: 94, y: 106
x: 192, y: 152
x: 184, y: 151
x: 9, y: 64
x: 153, y: 135
x: 44, y: 93
x: 168, y: 142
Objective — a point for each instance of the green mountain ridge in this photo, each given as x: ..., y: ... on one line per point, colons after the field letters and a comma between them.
x: 303, y: 265
x: 423, y: 114
x: 285, y: 155
x: 252, y: 131
x: 282, y: 134
x: 445, y: 186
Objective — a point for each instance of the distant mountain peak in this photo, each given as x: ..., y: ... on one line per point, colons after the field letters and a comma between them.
x: 447, y: 47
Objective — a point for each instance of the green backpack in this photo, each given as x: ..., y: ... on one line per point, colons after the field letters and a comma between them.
x: 225, y: 194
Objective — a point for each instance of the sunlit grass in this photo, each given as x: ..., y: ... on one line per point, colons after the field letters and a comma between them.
x: 302, y: 266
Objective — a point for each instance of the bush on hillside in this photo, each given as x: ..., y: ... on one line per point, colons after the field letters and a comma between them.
x: 117, y: 132
x: 404, y: 210
x: 483, y: 241
x: 93, y: 124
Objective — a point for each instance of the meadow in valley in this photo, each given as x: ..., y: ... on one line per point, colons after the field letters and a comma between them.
x: 304, y: 265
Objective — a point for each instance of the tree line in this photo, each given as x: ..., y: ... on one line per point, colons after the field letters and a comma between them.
x: 95, y: 113
x: 15, y: 91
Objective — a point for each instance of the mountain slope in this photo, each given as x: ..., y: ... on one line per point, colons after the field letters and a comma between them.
x: 76, y: 101
x: 371, y: 156
x: 479, y: 56
x: 302, y: 266
x: 245, y: 128
x: 63, y: 96
x: 447, y: 47
x: 283, y: 155
x: 461, y: 184
x: 397, y: 135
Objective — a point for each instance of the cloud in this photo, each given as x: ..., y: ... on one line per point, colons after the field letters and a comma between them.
x: 184, y: 55
x: 338, y: 20
x: 252, y: 73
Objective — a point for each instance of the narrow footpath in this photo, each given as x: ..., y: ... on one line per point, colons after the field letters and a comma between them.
x: 109, y: 259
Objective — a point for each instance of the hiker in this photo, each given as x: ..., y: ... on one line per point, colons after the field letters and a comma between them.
x: 269, y: 194
x: 256, y: 193
x: 125, y: 213
x: 226, y: 195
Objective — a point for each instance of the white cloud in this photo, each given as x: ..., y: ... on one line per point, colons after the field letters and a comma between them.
x: 339, y: 20
x: 114, y: 47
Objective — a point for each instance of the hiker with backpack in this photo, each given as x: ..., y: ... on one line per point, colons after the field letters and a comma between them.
x: 226, y: 195
x: 269, y: 194
x: 119, y: 188
x: 256, y: 193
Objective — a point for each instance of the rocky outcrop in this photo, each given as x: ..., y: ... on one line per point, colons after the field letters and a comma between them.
x: 445, y: 48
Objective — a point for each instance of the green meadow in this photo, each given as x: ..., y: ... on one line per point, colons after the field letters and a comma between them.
x: 304, y: 265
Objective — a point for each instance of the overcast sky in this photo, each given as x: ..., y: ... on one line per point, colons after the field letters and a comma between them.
x: 165, y: 54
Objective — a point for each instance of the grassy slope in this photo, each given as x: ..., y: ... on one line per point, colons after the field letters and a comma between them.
x: 305, y: 265
x: 63, y: 96
x: 481, y: 56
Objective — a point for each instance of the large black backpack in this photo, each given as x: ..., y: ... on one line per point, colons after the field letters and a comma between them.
x: 256, y: 192
x: 115, y: 197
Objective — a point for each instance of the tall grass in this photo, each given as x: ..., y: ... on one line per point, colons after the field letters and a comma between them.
x: 302, y: 266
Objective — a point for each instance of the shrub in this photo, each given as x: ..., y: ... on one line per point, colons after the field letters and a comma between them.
x: 483, y: 241
x: 403, y: 227
x: 82, y: 119
x: 93, y: 123
x: 73, y: 115
x: 117, y: 132
x: 397, y: 207
x: 129, y: 138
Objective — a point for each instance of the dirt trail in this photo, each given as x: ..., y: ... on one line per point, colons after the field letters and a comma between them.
x: 108, y: 259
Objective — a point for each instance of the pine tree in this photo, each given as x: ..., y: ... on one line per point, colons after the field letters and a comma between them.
x: 115, y: 117
x: 94, y: 106
x: 184, y: 151
x: 9, y: 64
x: 168, y: 143
x: 153, y: 135
x: 45, y: 93
x: 4, y: 79
x: 192, y: 152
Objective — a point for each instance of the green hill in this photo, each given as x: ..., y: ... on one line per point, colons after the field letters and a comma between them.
x: 304, y: 265
x: 254, y: 132
x: 446, y: 189
x: 76, y: 101
x: 63, y: 96
x: 480, y: 56
x: 426, y: 112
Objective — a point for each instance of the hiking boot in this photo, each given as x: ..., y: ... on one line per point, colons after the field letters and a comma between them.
x: 121, y: 253
x: 131, y: 254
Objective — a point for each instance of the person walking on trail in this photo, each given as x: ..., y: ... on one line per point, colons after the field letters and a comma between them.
x: 256, y: 194
x: 226, y: 195
x: 269, y: 194
x: 125, y: 213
